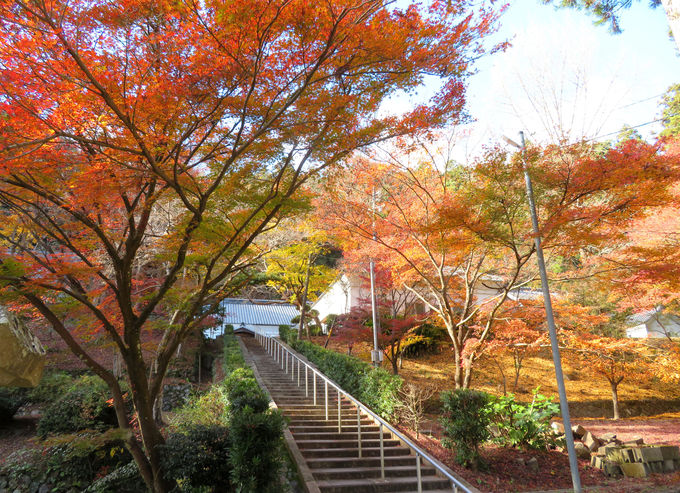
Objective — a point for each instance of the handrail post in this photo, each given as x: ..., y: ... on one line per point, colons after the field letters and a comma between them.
x: 382, y: 453
x: 359, y: 430
x: 418, y: 473
x: 306, y: 381
x: 339, y: 413
x: 314, y: 373
x: 298, y: 360
x: 326, y: 395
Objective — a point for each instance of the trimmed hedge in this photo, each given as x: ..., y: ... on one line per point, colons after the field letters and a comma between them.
x: 374, y: 387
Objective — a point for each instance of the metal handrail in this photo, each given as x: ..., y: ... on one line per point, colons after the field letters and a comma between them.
x: 276, y: 349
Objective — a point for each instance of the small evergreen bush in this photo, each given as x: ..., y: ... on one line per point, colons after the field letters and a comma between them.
x: 199, y: 457
x: 67, y: 463
x: 124, y: 479
x: 233, y: 358
x: 288, y: 334
x: 465, y: 421
x: 243, y: 391
x: 207, y: 409
x: 424, y: 340
x: 256, y: 452
x: 52, y: 386
x: 523, y: 425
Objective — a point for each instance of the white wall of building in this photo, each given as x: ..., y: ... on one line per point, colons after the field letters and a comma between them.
x: 658, y: 326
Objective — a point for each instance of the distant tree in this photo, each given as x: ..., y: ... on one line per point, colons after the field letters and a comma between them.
x: 670, y: 111
x: 357, y: 325
x: 297, y: 270
x: 627, y: 132
x: 613, y: 359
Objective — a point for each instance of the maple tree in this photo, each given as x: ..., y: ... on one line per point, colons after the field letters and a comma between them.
x: 522, y: 331
x: 146, y: 146
x: 611, y: 358
x: 459, y: 239
x: 517, y: 339
x: 357, y: 326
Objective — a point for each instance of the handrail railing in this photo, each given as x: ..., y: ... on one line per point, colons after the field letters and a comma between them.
x: 282, y: 355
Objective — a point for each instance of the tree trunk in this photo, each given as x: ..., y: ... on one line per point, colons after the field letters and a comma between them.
x: 467, y: 372
x: 458, y: 373
x: 503, y: 377
x: 395, y: 364
x: 518, y: 370
x: 615, y: 396
x: 303, y: 308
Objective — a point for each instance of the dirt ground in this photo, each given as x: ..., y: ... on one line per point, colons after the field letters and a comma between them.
x: 16, y: 434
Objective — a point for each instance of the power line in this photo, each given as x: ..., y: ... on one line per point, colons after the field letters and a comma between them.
x: 640, y: 101
x: 631, y: 127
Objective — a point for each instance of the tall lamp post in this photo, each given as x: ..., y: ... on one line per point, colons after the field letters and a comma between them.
x: 376, y: 353
x: 564, y: 407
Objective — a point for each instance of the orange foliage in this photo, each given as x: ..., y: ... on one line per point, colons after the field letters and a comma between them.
x: 145, y: 146
x: 460, y: 239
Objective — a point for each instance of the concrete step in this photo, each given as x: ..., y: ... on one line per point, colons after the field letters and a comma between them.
x: 353, y: 452
x: 364, y: 461
x: 319, y: 421
x: 366, y: 425
x: 327, y: 435
x: 370, y: 472
x: 344, y: 443
x: 332, y: 455
x: 380, y: 485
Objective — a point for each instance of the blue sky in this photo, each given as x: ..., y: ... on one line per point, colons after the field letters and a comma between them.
x: 596, y: 79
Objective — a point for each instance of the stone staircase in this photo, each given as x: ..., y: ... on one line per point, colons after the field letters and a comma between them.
x: 330, y: 455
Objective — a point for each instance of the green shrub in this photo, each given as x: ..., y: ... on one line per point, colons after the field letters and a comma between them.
x: 83, y: 406
x: 233, y: 358
x: 207, y: 409
x: 256, y: 452
x: 465, y: 422
x: 523, y: 425
x: 425, y: 339
x: 288, y: 334
x: 52, y: 386
x: 11, y: 400
x: 200, y: 457
x: 374, y: 387
x: 243, y: 391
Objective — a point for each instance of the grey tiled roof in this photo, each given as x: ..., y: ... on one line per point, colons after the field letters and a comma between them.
x: 643, y: 317
x: 258, y: 312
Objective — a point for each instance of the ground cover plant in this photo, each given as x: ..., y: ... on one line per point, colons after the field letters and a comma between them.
x: 523, y: 425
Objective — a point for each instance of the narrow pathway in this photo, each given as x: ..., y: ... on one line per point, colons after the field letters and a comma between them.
x: 332, y: 455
